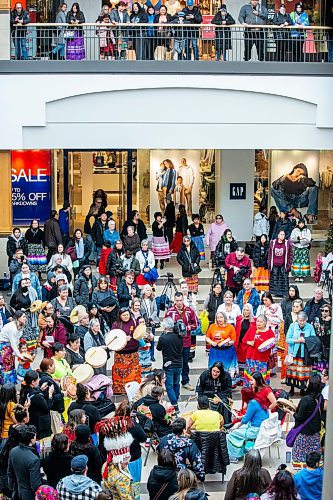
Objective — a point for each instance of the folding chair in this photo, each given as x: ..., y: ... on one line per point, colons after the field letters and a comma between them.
x: 131, y: 389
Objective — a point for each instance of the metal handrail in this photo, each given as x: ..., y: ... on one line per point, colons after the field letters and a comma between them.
x: 184, y: 26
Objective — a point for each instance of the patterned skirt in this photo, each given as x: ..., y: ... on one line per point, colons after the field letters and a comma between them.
x: 126, y: 368
x: 229, y: 359
x: 298, y: 374
x: 160, y: 248
x: 193, y: 283
x: 301, y: 263
x: 278, y: 282
x: 36, y: 257
x: 252, y: 366
x: 303, y: 445
x: 260, y: 279
x: 75, y: 48
x: 7, y: 364
x: 199, y: 243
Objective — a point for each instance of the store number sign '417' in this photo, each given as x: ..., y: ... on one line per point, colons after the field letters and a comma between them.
x: 31, y: 186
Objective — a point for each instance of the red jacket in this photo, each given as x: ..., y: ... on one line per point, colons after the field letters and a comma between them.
x: 105, y: 252
x: 59, y: 335
x: 258, y: 338
x: 231, y: 260
x: 189, y: 319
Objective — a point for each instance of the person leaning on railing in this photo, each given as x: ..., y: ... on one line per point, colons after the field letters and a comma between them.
x: 299, y: 18
x: 222, y: 35
x: 282, y: 36
x: 193, y: 15
x: 58, y: 51
x: 253, y: 14
x: 74, y: 35
x: 19, y: 18
x: 138, y: 34
x: 119, y: 15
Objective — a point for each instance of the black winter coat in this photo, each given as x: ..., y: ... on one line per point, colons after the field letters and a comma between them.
x: 90, y: 410
x: 214, y: 451
x: 52, y: 233
x: 58, y: 398
x: 81, y: 289
x: 282, y: 225
x: 13, y: 245
x: 170, y: 215
x: 223, y: 248
x: 223, y: 34
x: 181, y: 224
x: 158, y: 413
x: 190, y: 261
x: 94, y: 458
x: 132, y: 243
x: 36, y: 238
x: 123, y: 294
x: 97, y: 233
x: 206, y: 386
x: 39, y: 410
x: 24, y: 477
x: 279, y: 19
x: 213, y: 303
x: 140, y: 228
x: 56, y: 466
x: 160, y: 476
x: 114, y: 265
x: 197, y: 19
x: 260, y: 255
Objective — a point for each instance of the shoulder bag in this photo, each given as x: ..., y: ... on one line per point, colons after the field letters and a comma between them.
x: 293, y: 433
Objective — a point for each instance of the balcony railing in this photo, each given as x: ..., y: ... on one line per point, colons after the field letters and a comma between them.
x: 204, y: 42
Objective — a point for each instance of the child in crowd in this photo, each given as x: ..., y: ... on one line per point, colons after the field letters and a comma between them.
x: 107, y: 41
x: 24, y: 365
x: 76, y: 417
x: 105, y: 252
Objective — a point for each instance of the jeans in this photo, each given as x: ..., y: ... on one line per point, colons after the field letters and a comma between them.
x: 178, y: 47
x: 309, y: 199
x: 59, y: 48
x: 21, y: 52
x: 194, y: 42
x: 186, y: 368
x: 329, y: 40
x: 172, y: 384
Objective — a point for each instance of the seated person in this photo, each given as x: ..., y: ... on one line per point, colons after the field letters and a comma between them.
x: 309, y: 481
x: 185, y: 451
x: 158, y: 412
x: 215, y: 381
x: 205, y: 419
x: 241, y: 432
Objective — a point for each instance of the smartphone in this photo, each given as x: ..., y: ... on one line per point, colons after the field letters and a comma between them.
x: 288, y: 457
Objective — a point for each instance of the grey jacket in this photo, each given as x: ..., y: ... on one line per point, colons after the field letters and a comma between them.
x: 246, y: 15
x: 24, y: 477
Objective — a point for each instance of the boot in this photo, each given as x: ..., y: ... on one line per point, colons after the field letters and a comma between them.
x: 162, y: 264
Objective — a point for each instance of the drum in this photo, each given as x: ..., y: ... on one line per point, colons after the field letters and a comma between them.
x: 83, y: 373
x: 266, y: 345
x: 74, y: 315
x: 140, y: 332
x: 286, y: 404
x: 96, y: 357
x: 115, y: 340
x: 36, y: 306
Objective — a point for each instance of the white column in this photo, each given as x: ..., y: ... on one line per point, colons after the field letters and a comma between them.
x: 4, y: 35
x: 236, y: 166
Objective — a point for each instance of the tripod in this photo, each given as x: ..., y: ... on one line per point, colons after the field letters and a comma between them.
x: 169, y: 288
x: 217, y: 278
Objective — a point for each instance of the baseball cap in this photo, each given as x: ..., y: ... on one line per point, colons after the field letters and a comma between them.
x: 190, y: 2
x: 79, y: 463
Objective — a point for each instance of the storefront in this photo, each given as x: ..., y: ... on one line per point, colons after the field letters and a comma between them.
x: 236, y: 183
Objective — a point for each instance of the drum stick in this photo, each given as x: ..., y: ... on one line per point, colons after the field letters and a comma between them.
x: 190, y: 399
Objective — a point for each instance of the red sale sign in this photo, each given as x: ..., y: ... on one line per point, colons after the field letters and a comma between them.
x: 208, y: 33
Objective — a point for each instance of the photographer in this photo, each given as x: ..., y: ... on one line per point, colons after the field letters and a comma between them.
x: 127, y: 290
x: 171, y: 345
x: 186, y: 317
x: 238, y: 267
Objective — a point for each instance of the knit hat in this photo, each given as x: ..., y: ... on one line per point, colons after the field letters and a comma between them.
x: 79, y: 463
x: 61, y: 276
x: 46, y: 493
x: 91, y: 305
x: 82, y: 433
x: 50, y: 275
x: 117, y: 439
x: 284, y: 210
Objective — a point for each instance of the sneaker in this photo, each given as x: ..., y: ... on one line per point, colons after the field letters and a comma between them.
x: 291, y: 392
x: 188, y: 387
x: 176, y: 409
x: 233, y: 460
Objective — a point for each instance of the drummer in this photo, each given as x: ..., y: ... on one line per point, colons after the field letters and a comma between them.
x: 215, y: 383
x: 95, y: 338
x: 126, y: 367
x: 256, y: 356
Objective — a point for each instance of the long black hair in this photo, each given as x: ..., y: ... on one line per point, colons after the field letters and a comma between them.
x: 7, y: 395
x: 314, y: 386
x: 219, y: 366
x: 295, y: 287
x: 75, y: 4
x: 248, y: 477
x: 29, y: 377
x: 283, y: 487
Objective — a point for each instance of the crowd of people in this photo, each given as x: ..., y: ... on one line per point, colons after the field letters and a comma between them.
x: 63, y: 436
x: 120, y: 35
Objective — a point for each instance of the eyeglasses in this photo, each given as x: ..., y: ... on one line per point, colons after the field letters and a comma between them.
x: 323, y: 310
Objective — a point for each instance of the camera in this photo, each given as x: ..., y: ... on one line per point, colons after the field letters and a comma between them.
x: 22, y: 258
x: 239, y: 277
x: 180, y: 328
x: 170, y: 277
